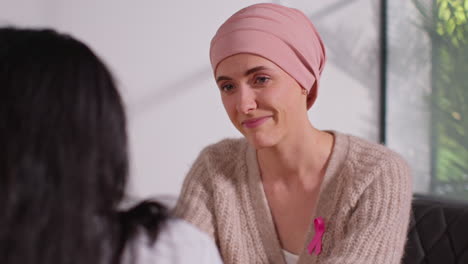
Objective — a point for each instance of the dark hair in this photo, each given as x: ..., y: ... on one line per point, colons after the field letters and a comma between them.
x: 63, y: 167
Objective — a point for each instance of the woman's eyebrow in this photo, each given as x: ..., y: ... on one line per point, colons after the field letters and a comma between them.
x: 222, y: 78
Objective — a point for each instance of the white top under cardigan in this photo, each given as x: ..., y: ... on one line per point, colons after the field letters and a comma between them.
x: 290, y: 258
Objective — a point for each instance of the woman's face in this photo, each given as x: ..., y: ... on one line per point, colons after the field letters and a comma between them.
x: 263, y: 102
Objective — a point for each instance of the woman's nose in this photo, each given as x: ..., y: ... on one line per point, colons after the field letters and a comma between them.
x: 246, y: 100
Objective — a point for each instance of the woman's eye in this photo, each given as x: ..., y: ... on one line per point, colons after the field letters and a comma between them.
x: 261, y: 79
x: 227, y: 87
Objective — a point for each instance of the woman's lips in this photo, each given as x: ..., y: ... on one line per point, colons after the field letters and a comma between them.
x: 255, y: 122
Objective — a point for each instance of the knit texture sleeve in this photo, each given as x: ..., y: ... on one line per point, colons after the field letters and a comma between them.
x: 195, y: 204
x: 378, y: 223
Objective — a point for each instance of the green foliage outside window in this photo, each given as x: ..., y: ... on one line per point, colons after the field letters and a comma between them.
x: 447, y: 25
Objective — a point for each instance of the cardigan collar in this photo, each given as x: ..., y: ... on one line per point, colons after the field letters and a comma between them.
x: 263, y: 216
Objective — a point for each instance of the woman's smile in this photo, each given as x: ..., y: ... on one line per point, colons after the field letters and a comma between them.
x: 255, y: 122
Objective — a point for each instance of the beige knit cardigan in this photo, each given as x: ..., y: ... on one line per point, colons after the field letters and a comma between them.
x: 365, y: 201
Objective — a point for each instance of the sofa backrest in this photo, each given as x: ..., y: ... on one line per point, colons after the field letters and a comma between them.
x: 438, y: 231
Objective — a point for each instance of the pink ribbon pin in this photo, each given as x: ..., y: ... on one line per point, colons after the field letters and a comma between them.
x: 316, y: 243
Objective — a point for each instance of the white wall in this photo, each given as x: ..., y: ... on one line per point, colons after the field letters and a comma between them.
x: 158, y: 51
x: 23, y: 12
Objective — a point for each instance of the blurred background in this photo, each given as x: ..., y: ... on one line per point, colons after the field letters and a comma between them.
x: 397, y: 73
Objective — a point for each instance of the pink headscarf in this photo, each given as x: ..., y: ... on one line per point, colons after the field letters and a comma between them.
x: 280, y: 34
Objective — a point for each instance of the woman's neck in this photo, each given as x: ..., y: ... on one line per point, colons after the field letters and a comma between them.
x: 302, y: 157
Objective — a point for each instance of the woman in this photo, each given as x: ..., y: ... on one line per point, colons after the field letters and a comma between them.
x: 64, y: 164
x: 288, y: 192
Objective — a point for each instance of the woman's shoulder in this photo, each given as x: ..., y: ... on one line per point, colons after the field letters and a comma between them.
x: 223, y: 155
x: 217, y: 165
x: 373, y: 167
x: 371, y: 154
x: 225, y: 147
x: 178, y: 242
x: 368, y: 163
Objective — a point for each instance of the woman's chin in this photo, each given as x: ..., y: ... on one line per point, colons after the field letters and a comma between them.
x: 259, y: 141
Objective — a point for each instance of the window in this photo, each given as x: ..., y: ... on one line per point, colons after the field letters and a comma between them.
x: 427, y: 92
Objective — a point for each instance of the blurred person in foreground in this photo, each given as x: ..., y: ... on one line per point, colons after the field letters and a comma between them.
x: 64, y: 164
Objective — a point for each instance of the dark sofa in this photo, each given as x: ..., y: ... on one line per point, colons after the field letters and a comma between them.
x: 438, y: 232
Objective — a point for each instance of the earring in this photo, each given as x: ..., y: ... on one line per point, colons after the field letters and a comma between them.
x: 304, y: 91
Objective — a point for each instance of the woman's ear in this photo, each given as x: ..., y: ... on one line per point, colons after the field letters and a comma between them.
x: 312, y: 96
